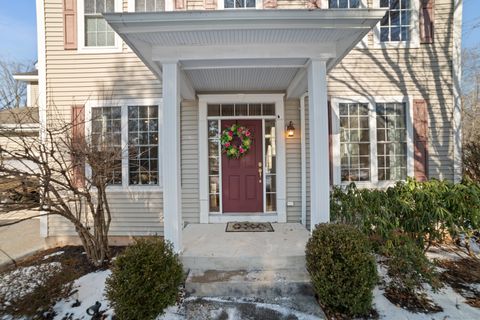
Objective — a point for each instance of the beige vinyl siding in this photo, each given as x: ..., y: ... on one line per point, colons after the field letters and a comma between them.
x: 189, y: 158
x: 33, y: 94
x: 293, y: 162
x: 417, y: 73
x: 133, y: 214
x: 73, y: 78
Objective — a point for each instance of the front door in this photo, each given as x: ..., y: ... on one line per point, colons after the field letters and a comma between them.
x: 242, y: 179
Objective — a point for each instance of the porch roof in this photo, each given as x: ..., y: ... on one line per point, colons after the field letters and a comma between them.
x: 243, y: 50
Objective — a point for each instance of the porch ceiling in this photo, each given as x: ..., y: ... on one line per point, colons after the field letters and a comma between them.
x: 239, y: 50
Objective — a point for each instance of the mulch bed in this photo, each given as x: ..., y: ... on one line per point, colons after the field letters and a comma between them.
x: 74, y: 263
x: 460, y: 275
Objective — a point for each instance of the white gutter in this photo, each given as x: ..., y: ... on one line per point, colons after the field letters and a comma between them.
x: 303, y: 156
x: 457, y: 100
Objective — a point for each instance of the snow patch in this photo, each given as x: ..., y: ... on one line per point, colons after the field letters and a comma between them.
x: 59, y: 253
x: 22, y: 281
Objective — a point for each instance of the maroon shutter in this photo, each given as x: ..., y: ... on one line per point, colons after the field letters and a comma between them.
x: 211, y: 4
x: 330, y: 142
x: 270, y: 4
x: 420, y: 139
x: 426, y: 21
x: 70, y: 24
x: 78, y: 142
x: 179, y: 4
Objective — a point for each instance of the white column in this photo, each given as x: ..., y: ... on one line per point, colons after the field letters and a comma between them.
x: 319, y: 158
x: 172, y: 197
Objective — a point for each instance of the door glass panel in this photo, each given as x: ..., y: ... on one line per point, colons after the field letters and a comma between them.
x: 270, y: 165
x: 213, y: 165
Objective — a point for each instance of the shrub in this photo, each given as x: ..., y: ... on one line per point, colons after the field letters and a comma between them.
x: 408, y: 267
x: 342, y: 268
x: 144, y: 280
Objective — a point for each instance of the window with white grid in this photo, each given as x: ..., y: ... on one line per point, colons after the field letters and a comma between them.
x: 143, y: 165
x: 236, y: 4
x: 397, y: 23
x: 391, y: 141
x: 149, y: 5
x: 343, y: 4
x: 107, y: 137
x: 354, y: 142
x: 97, y: 31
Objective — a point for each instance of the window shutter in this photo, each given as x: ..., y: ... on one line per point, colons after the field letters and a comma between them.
x: 211, y: 4
x: 78, y: 141
x: 330, y: 141
x: 70, y: 24
x: 179, y: 4
x: 420, y: 139
x: 426, y: 21
x: 269, y: 4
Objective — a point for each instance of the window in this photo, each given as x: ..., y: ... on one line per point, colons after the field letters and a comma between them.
x: 396, y: 24
x: 107, y: 138
x: 235, y: 4
x: 391, y: 141
x: 143, y: 165
x: 354, y: 142
x: 149, y: 5
x: 97, y: 32
x: 130, y: 131
x: 372, y: 141
x: 333, y: 4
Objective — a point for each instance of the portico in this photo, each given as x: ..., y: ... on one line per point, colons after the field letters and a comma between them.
x: 243, y: 54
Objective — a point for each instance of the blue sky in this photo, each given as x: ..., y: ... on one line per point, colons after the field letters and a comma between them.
x: 18, y: 28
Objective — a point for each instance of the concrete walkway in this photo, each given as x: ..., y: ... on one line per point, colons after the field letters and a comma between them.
x: 19, y: 240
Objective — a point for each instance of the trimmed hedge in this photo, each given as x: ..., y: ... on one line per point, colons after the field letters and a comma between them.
x: 145, y: 280
x: 342, y: 268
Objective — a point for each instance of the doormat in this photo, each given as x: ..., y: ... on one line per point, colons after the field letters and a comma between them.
x: 249, y: 227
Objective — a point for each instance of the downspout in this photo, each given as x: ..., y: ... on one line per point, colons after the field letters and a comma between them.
x: 303, y: 157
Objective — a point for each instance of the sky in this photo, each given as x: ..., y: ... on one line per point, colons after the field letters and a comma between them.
x: 18, y: 40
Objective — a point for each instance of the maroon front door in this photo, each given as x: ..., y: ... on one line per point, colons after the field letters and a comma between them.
x: 242, y: 179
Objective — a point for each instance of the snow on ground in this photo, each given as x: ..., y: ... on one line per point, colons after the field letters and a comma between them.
x: 58, y: 253
x: 89, y: 289
x: 22, y: 281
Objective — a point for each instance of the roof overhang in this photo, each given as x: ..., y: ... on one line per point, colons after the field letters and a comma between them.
x: 222, y: 50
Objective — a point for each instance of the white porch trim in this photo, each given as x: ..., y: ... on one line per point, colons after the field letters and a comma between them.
x: 278, y: 100
x: 457, y: 100
x: 170, y: 141
x: 319, y: 153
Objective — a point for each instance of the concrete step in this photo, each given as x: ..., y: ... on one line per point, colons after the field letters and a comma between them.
x: 242, y: 283
x: 293, y: 262
x: 285, y: 287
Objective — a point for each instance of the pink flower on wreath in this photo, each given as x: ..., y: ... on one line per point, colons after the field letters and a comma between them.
x: 247, y: 133
x: 230, y: 133
x: 242, y: 150
x: 227, y: 144
x: 240, y: 129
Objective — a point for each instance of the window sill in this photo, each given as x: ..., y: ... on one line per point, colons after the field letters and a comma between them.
x: 101, y: 50
x: 371, y: 185
x: 134, y: 189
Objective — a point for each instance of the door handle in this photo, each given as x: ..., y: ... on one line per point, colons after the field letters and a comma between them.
x: 260, y: 170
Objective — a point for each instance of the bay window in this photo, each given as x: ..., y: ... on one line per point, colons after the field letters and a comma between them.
x: 372, y: 139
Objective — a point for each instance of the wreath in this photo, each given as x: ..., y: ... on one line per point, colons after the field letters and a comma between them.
x: 236, y: 141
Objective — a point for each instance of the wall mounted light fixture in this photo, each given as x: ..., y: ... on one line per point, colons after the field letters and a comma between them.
x: 290, y: 130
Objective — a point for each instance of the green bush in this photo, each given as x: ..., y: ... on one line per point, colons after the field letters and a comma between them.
x: 144, y: 280
x: 408, y: 267
x: 342, y: 268
x: 426, y: 211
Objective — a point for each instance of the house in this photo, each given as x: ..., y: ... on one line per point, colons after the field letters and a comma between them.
x: 368, y: 90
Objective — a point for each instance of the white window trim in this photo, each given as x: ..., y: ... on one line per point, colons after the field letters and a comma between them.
x: 371, y: 101
x: 82, y: 48
x: 168, y: 5
x: 221, y: 5
x: 414, y: 30
x: 278, y: 100
x: 124, y: 103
